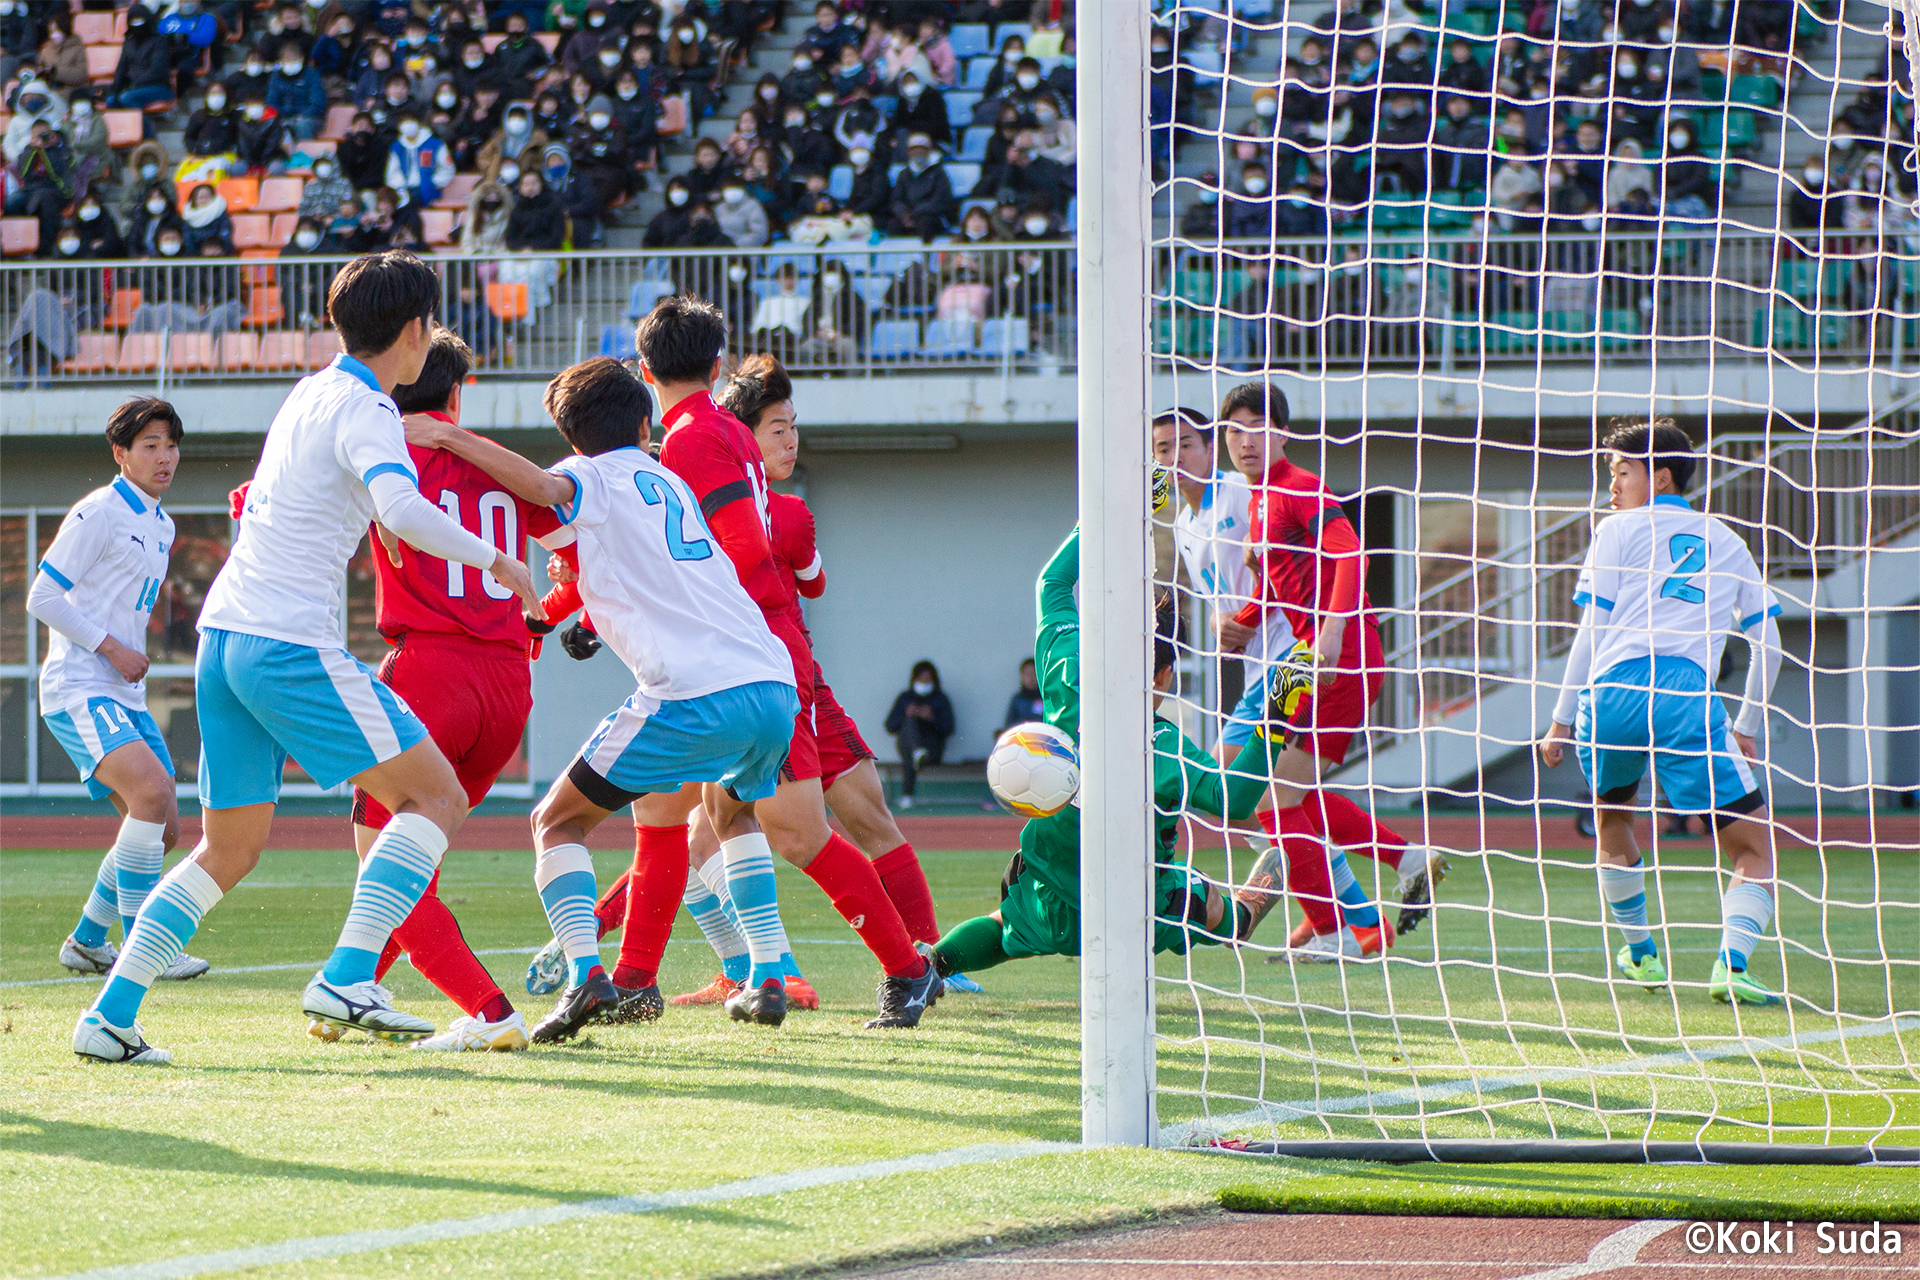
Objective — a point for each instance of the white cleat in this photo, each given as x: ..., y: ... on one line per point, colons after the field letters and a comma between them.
x: 98, y: 1040
x: 361, y: 1006
x: 548, y: 971
x: 185, y: 969
x: 1326, y: 948
x: 474, y: 1035
x: 81, y: 958
x: 1419, y: 878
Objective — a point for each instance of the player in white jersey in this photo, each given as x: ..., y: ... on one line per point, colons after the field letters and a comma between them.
x: 715, y: 696
x: 274, y: 679
x: 95, y: 591
x: 1661, y: 588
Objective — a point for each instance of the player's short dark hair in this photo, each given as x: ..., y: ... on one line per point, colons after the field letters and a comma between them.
x: 599, y: 406
x: 756, y: 386
x: 375, y: 296
x: 1169, y: 632
x: 681, y: 338
x: 1656, y: 443
x: 1262, y: 399
x: 125, y: 424
x: 449, y: 360
x: 1201, y: 424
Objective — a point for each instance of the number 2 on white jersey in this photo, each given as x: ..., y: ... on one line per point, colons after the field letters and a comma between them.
x: 1689, y: 555
x: 491, y: 501
x: 657, y: 492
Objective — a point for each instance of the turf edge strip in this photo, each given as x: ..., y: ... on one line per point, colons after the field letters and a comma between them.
x: 1475, y: 1202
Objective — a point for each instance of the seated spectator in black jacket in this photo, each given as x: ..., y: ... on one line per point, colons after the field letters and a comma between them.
x: 836, y: 300
x: 872, y: 192
x: 599, y: 152
x: 251, y: 76
x: 474, y: 124
x: 1249, y: 212
x: 1459, y: 148
x: 363, y: 157
x: 263, y: 139
x: 638, y: 118
x: 1588, y: 157
x: 1025, y: 706
x: 1464, y: 75
x: 1030, y: 175
x: 1408, y: 64
x: 539, y: 220
x: 100, y: 238
x: 708, y: 173
x: 1299, y: 214
x: 920, y: 109
x: 1202, y: 220
x: 303, y: 285
x: 144, y: 75
x: 379, y: 226
x: 1686, y: 176
x: 923, y: 200
x: 519, y: 59
x: 668, y: 228
x: 921, y: 721
x: 1401, y: 139
x: 829, y: 33
x: 804, y: 145
x: 213, y: 130
x: 703, y: 229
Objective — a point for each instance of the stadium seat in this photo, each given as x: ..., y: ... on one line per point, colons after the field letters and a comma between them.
x: 94, y: 28
x: 19, y: 236
x: 314, y: 147
x: 263, y: 307
x: 872, y: 289
x: 616, y: 340
x: 969, y: 39
x: 93, y: 353
x: 1005, y: 337
x: 963, y: 177
x: 507, y: 301
x: 948, y: 338
x: 492, y: 41
x: 1073, y: 215
x: 241, y: 194
x: 978, y: 69
x: 139, y: 353
x: 250, y: 230
x: 261, y: 273
x: 339, y: 119
x: 285, y: 350
x: 125, y: 303
x: 1566, y: 333
x: 322, y: 346
x: 549, y: 40
x: 189, y: 351
x: 279, y: 195
x: 643, y: 295
x: 238, y: 350
x: 120, y: 25
x: 1755, y: 91
x: 973, y: 145
x: 893, y: 339
x: 124, y: 129
x: 102, y: 60
x: 960, y: 107
x: 674, y: 114
x: 284, y: 225
x: 1001, y: 30
x: 438, y: 224
x: 840, y: 182
x: 455, y: 196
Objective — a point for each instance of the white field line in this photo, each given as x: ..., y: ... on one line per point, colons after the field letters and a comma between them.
x: 314, y: 1248
x: 1621, y: 1249
x: 1187, y: 1133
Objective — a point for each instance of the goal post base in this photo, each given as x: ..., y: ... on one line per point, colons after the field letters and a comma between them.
x: 1581, y: 1151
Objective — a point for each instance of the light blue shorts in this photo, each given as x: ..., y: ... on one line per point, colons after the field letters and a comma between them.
x: 90, y: 731
x: 737, y: 737
x: 1249, y: 711
x: 263, y: 700
x: 1660, y: 711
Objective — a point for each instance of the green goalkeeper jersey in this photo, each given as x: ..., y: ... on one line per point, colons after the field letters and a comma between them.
x: 1056, y: 645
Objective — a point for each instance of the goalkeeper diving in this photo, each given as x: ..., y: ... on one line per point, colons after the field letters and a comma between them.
x: 1039, y: 911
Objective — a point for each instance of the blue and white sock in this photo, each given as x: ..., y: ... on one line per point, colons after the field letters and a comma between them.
x: 1625, y: 889
x: 748, y: 861
x: 166, y: 924
x: 103, y: 906
x: 393, y: 875
x: 717, y: 922
x: 1744, y: 912
x: 714, y: 872
x: 137, y: 855
x: 564, y: 876
x: 1355, y: 908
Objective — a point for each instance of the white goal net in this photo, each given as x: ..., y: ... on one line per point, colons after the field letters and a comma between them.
x: 1463, y: 238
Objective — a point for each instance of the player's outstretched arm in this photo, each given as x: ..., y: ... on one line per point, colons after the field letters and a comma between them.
x: 526, y: 479
x: 1059, y: 577
x: 1762, y: 670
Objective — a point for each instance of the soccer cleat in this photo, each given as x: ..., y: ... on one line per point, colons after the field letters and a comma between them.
x: 98, y: 1040
x: 766, y: 1005
x: 1325, y: 948
x: 325, y: 1032
x: 548, y: 971
x: 800, y: 994
x: 1649, y: 973
x: 1375, y: 939
x: 81, y: 958
x: 636, y: 1004
x: 961, y: 982
x: 1266, y: 882
x: 1302, y: 933
x: 1733, y: 986
x: 577, y: 1007
x: 476, y: 1035
x: 361, y: 1006
x: 715, y: 992
x: 185, y: 969
x: 903, y: 1000
x: 1416, y: 890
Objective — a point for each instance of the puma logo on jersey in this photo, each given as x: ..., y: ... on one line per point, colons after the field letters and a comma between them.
x: 858, y: 921
x: 134, y: 537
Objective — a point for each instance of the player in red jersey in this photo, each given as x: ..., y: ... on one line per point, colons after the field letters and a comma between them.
x: 1310, y: 566
x: 680, y: 344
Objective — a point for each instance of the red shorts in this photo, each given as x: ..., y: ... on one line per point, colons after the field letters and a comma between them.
x: 803, y: 753
x: 474, y: 696
x: 1326, y: 722
x: 836, y: 737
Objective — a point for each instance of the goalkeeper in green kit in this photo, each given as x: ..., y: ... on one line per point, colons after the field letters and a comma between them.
x: 1039, y: 911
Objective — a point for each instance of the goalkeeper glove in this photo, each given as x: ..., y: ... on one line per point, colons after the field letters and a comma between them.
x: 1162, y: 489
x: 580, y: 642
x: 1290, y: 682
x: 538, y: 626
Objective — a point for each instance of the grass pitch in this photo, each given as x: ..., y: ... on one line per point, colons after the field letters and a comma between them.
x: 258, y: 1135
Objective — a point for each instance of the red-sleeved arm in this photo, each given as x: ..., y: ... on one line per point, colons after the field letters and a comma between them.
x: 561, y: 602
x: 237, y: 500
x: 1339, y: 543
x: 809, y: 578
x: 742, y: 537
x: 725, y: 491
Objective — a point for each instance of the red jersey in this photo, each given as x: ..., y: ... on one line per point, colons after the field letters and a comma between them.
x: 428, y: 594
x: 794, y: 554
x: 1309, y: 558
x: 720, y: 460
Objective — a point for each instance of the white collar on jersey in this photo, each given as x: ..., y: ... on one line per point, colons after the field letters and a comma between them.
x: 347, y: 364
x: 130, y: 492
x: 1672, y: 500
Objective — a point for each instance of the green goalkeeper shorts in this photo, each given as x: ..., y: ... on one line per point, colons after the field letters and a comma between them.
x: 1037, y: 920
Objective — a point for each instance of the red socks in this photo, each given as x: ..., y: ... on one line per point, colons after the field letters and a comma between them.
x: 906, y: 886
x: 432, y: 939
x: 1308, y: 876
x: 1347, y: 826
x: 654, y: 890
x: 611, y: 911
x: 854, y: 888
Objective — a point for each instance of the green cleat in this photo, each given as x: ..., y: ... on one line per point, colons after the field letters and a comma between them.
x: 1733, y: 986
x: 1649, y: 973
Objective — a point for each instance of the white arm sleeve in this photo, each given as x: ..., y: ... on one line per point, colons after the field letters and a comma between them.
x: 1763, y: 668
x: 423, y: 525
x: 48, y: 602
x: 1579, y: 668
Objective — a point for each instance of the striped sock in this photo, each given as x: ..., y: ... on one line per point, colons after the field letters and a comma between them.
x: 748, y: 861
x: 564, y: 876
x: 137, y: 856
x: 1625, y: 889
x: 165, y: 926
x: 1355, y: 909
x: 722, y: 933
x: 714, y: 873
x: 1744, y: 912
x: 103, y: 905
x: 393, y: 876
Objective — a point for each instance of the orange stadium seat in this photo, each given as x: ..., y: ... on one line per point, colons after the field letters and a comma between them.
x: 549, y: 40
x: 338, y: 118
x: 241, y: 194
x: 102, y: 60
x: 438, y: 224
x: 189, y: 351
x: 238, y: 350
x: 279, y: 195
x: 19, y: 236
x: 124, y: 128
x: 673, y: 116
x: 281, y: 351
x: 93, y: 353
x: 125, y: 303
x: 322, y: 346
x: 507, y: 301
x: 94, y: 28
x: 139, y: 353
x: 455, y: 196
x: 284, y: 225
x: 250, y: 230
x: 263, y: 307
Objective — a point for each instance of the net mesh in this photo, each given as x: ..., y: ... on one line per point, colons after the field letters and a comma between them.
x: 1461, y: 238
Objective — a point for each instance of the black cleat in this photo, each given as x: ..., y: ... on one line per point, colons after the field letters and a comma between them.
x: 636, y: 1004
x: 576, y: 1009
x: 1416, y: 904
x: 766, y: 1005
x: 903, y: 1000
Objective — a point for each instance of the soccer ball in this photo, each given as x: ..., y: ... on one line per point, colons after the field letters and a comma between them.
x: 1034, y: 770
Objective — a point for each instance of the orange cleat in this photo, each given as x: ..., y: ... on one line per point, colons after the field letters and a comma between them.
x: 715, y: 992
x: 1302, y: 934
x: 1375, y: 940
x: 801, y: 995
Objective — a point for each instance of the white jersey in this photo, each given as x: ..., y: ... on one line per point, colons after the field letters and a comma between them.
x: 1212, y: 539
x: 661, y: 591
x: 308, y: 507
x: 110, y: 558
x: 1673, y: 583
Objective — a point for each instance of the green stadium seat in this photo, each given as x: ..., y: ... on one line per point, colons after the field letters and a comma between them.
x: 1567, y: 332
x: 1513, y: 333
x: 1713, y: 86
x: 1469, y: 22
x: 1755, y: 91
x: 1194, y: 286
x: 1724, y: 130
x: 1621, y: 329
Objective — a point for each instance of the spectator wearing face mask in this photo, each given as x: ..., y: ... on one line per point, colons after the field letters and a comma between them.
x: 286, y: 31
x: 921, y: 721
x: 1688, y: 188
x: 1000, y: 78
x: 147, y: 170
x: 1204, y: 219
x: 599, y: 153
x: 519, y: 60
x: 1401, y: 141
x: 1054, y: 136
x: 1460, y: 146
x: 689, y: 66
x: 837, y: 302
x: 742, y: 220
x: 477, y: 121
x: 668, y: 228
x: 100, y: 238
x: 363, y: 160
x: 206, y: 219
x: 923, y: 110
x: 263, y: 143
x: 213, y: 134
x: 325, y: 192
x: 333, y: 50
x: 367, y: 76
x: 1032, y: 177
x: 154, y: 214
x: 391, y: 223
x: 537, y: 222
x: 517, y: 143
x: 829, y: 33
x: 923, y: 200
x: 144, y: 75
x: 35, y: 104
x: 871, y: 195
x: 803, y: 145
x: 484, y: 229
x: 780, y: 319
x: 1037, y: 222
x: 1463, y: 75
x: 1249, y: 211
x: 45, y: 182
x: 62, y: 57
x: 418, y: 164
